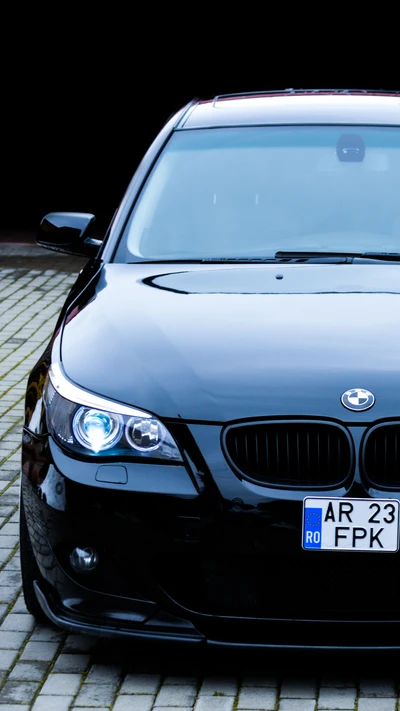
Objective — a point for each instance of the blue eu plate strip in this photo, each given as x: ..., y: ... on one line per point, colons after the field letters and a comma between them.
x: 312, y: 528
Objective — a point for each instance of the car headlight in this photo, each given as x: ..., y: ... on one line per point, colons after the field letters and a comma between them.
x: 95, y: 429
x: 92, y: 425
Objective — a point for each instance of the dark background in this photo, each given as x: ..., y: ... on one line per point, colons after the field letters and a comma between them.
x: 74, y: 124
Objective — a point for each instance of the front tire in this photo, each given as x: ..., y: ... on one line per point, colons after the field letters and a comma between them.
x: 29, y: 568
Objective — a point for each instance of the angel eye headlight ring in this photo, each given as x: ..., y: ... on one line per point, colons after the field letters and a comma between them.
x: 97, y: 430
x: 145, y: 434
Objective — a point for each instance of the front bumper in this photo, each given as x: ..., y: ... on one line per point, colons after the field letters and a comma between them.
x: 192, y: 566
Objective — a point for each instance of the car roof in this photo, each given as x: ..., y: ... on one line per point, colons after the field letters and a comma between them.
x: 289, y: 106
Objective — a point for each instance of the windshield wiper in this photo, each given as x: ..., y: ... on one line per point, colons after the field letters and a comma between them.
x: 222, y: 260
x: 344, y: 256
x: 167, y: 261
x: 289, y: 257
x: 283, y: 256
x: 315, y: 257
x: 389, y: 256
x: 307, y: 256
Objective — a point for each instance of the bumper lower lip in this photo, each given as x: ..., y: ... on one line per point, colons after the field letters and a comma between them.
x: 64, y: 619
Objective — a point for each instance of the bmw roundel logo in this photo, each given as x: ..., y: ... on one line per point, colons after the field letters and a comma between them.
x: 357, y: 399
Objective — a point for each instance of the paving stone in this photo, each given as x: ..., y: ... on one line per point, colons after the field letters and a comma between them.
x: 29, y: 671
x: 214, y: 703
x: 219, y: 685
x: 15, y: 517
x: 257, y: 698
x: 299, y: 689
x: 297, y: 705
x: 72, y: 663
x: 375, y: 704
x: 12, y: 640
x: 46, y: 633
x: 61, y: 684
x: 19, y: 606
x: 104, y: 674
x: 14, y: 563
x: 79, y: 643
x: 52, y: 703
x: 6, y: 475
x: 134, y: 703
x: 180, y: 681
x: 8, y: 594
x: 336, y: 699
x: 5, y: 511
x: 17, y: 623
x: 10, y: 529
x: 176, y: 695
x: 378, y: 688
x: 8, y: 578
x: 7, y: 498
x: 21, y: 692
x: 41, y: 651
x: 7, y: 657
x: 140, y: 684
x: 95, y: 695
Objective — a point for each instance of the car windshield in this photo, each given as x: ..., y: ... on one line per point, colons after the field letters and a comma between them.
x: 251, y: 192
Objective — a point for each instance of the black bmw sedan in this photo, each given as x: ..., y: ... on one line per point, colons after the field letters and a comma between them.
x: 211, y: 446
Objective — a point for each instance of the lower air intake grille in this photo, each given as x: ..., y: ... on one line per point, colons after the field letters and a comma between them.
x: 381, y: 455
x: 290, y: 454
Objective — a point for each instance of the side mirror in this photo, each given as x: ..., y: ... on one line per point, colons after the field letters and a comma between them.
x: 68, y: 232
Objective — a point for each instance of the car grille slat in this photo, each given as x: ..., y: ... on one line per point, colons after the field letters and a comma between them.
x: 276, y: 453
x: 256, y: 446
x: 287, y: 451
x: 290, y: 453
x: 385, y: 457
x: 381, y: 461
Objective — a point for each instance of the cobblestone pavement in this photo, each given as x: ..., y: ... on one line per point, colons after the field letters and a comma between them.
x: 45, y: 669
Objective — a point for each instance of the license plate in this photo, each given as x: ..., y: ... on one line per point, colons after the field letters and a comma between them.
x: 335, y: 524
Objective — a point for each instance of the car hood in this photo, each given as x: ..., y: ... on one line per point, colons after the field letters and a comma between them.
x: 226, y: 342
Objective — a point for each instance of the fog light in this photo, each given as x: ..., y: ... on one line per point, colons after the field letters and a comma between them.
x: 84, y: 560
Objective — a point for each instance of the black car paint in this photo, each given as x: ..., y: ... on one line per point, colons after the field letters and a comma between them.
x: 252, y: 330
x: 205, y: 556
